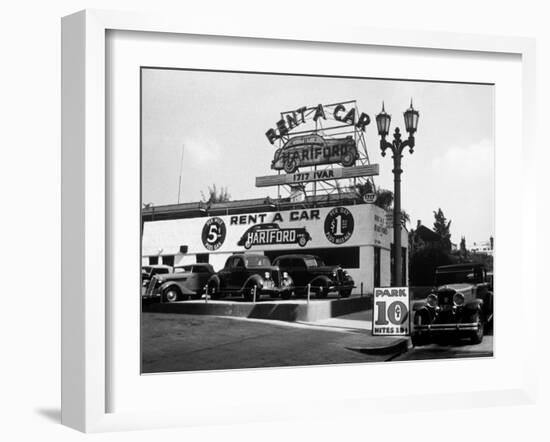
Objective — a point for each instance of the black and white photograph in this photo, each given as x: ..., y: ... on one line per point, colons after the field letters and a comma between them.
x: 303, y: 220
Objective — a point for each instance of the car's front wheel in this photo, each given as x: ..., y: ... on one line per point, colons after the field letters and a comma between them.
x: 286, y: 294
x: 171, y: 295
x: 421, y: 317
x: 477, y: 336
x: 249, y: 293
x: 323, y: 292
x: 345, y: 293
x: 213, y: 290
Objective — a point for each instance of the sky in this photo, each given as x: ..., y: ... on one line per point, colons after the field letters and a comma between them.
x: 219, y: 120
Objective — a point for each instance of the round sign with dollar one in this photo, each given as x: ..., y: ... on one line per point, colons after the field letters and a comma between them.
x: 339, y: 225
x: 213, y: 233
x: 391, y: 311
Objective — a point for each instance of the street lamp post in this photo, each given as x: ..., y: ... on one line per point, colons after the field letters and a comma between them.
x: 397, y: 146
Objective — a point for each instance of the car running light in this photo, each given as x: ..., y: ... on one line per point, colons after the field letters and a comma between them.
x: 285, y: 275
x: 267, y: 275
x: 431, y: 300
x: 458, y: 299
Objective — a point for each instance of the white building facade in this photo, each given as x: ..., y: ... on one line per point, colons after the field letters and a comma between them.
x: 355, y: 237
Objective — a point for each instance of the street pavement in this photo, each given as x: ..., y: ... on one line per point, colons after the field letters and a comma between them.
x: 176, y: 342
x: 182, y: 342
x: 455, y: 350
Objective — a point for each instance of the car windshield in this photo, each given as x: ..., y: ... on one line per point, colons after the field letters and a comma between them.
x: 257, y: 261
x: 314, y: 262
x: 456, y: 277
x: 161, y: 270
x: 183, y: 269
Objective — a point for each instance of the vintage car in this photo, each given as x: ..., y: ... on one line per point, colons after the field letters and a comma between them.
x: 249, y: 273
x: 313, y: 149
x: 184, y: 282
x: 460, y: 306
x: 271, y: 233
x: 148, y: 271
x: 310, y: 269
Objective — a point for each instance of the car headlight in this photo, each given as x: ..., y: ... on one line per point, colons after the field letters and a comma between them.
x: 287, y: 280
x: 431, y: 300
x: 458, y: 299
x: 267, y: 275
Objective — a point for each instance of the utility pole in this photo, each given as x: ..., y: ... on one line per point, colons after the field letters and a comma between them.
x: 181, y: 171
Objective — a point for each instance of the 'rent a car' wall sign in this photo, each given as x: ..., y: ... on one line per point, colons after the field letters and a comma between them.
x: 300, y: 229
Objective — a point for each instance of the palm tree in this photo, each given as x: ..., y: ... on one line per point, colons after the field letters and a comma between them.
x: 384, y: 198
x: 215, y: 195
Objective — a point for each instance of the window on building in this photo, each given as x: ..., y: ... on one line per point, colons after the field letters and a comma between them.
x: 203, y: 257
x: 153, y: 260
x: 347, y: 257
x: 168, y: 260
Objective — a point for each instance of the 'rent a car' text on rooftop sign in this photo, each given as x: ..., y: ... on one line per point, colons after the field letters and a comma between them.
x: 338, y: 111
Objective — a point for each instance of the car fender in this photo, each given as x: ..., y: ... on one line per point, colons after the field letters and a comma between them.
x: 418, y: 304
x: 321, y: 280
x: 290, y: 282
x: 171, y: 284
x: 256, y: 279
x: 214, y: 279
x: 474, y: 305
x: 426, y: 311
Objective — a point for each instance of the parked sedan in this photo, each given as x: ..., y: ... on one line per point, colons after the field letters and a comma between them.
x: 461, y: 305
x: 250, y: 275
x: 184, y: 282
x: 310, y: 269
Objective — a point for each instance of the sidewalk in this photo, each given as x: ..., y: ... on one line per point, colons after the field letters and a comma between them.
x: 361, y: 321
x: 357, y: 326
x: 362, y: 339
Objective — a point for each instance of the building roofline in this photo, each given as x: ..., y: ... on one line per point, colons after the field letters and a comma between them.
x: 267, y: 204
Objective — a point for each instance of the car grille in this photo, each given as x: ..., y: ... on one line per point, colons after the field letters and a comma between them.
x: 151, y: 287
x: 445, y: 298
x: 340, y: 275
x: 276, y: 275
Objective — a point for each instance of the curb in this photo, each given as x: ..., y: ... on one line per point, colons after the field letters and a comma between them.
x: 281, y: 311
x: 398, y: 346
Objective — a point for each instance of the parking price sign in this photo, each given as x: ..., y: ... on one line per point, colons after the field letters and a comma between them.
x: 391, y: 311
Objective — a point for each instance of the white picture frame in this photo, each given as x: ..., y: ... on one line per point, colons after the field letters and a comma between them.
x: 85, y: 210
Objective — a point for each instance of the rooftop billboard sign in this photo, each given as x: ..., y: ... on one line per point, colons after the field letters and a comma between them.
x: 336, y: 111
x: 317, y: 175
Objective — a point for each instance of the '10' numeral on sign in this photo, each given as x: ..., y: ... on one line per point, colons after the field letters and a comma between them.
x: 397, y: 313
